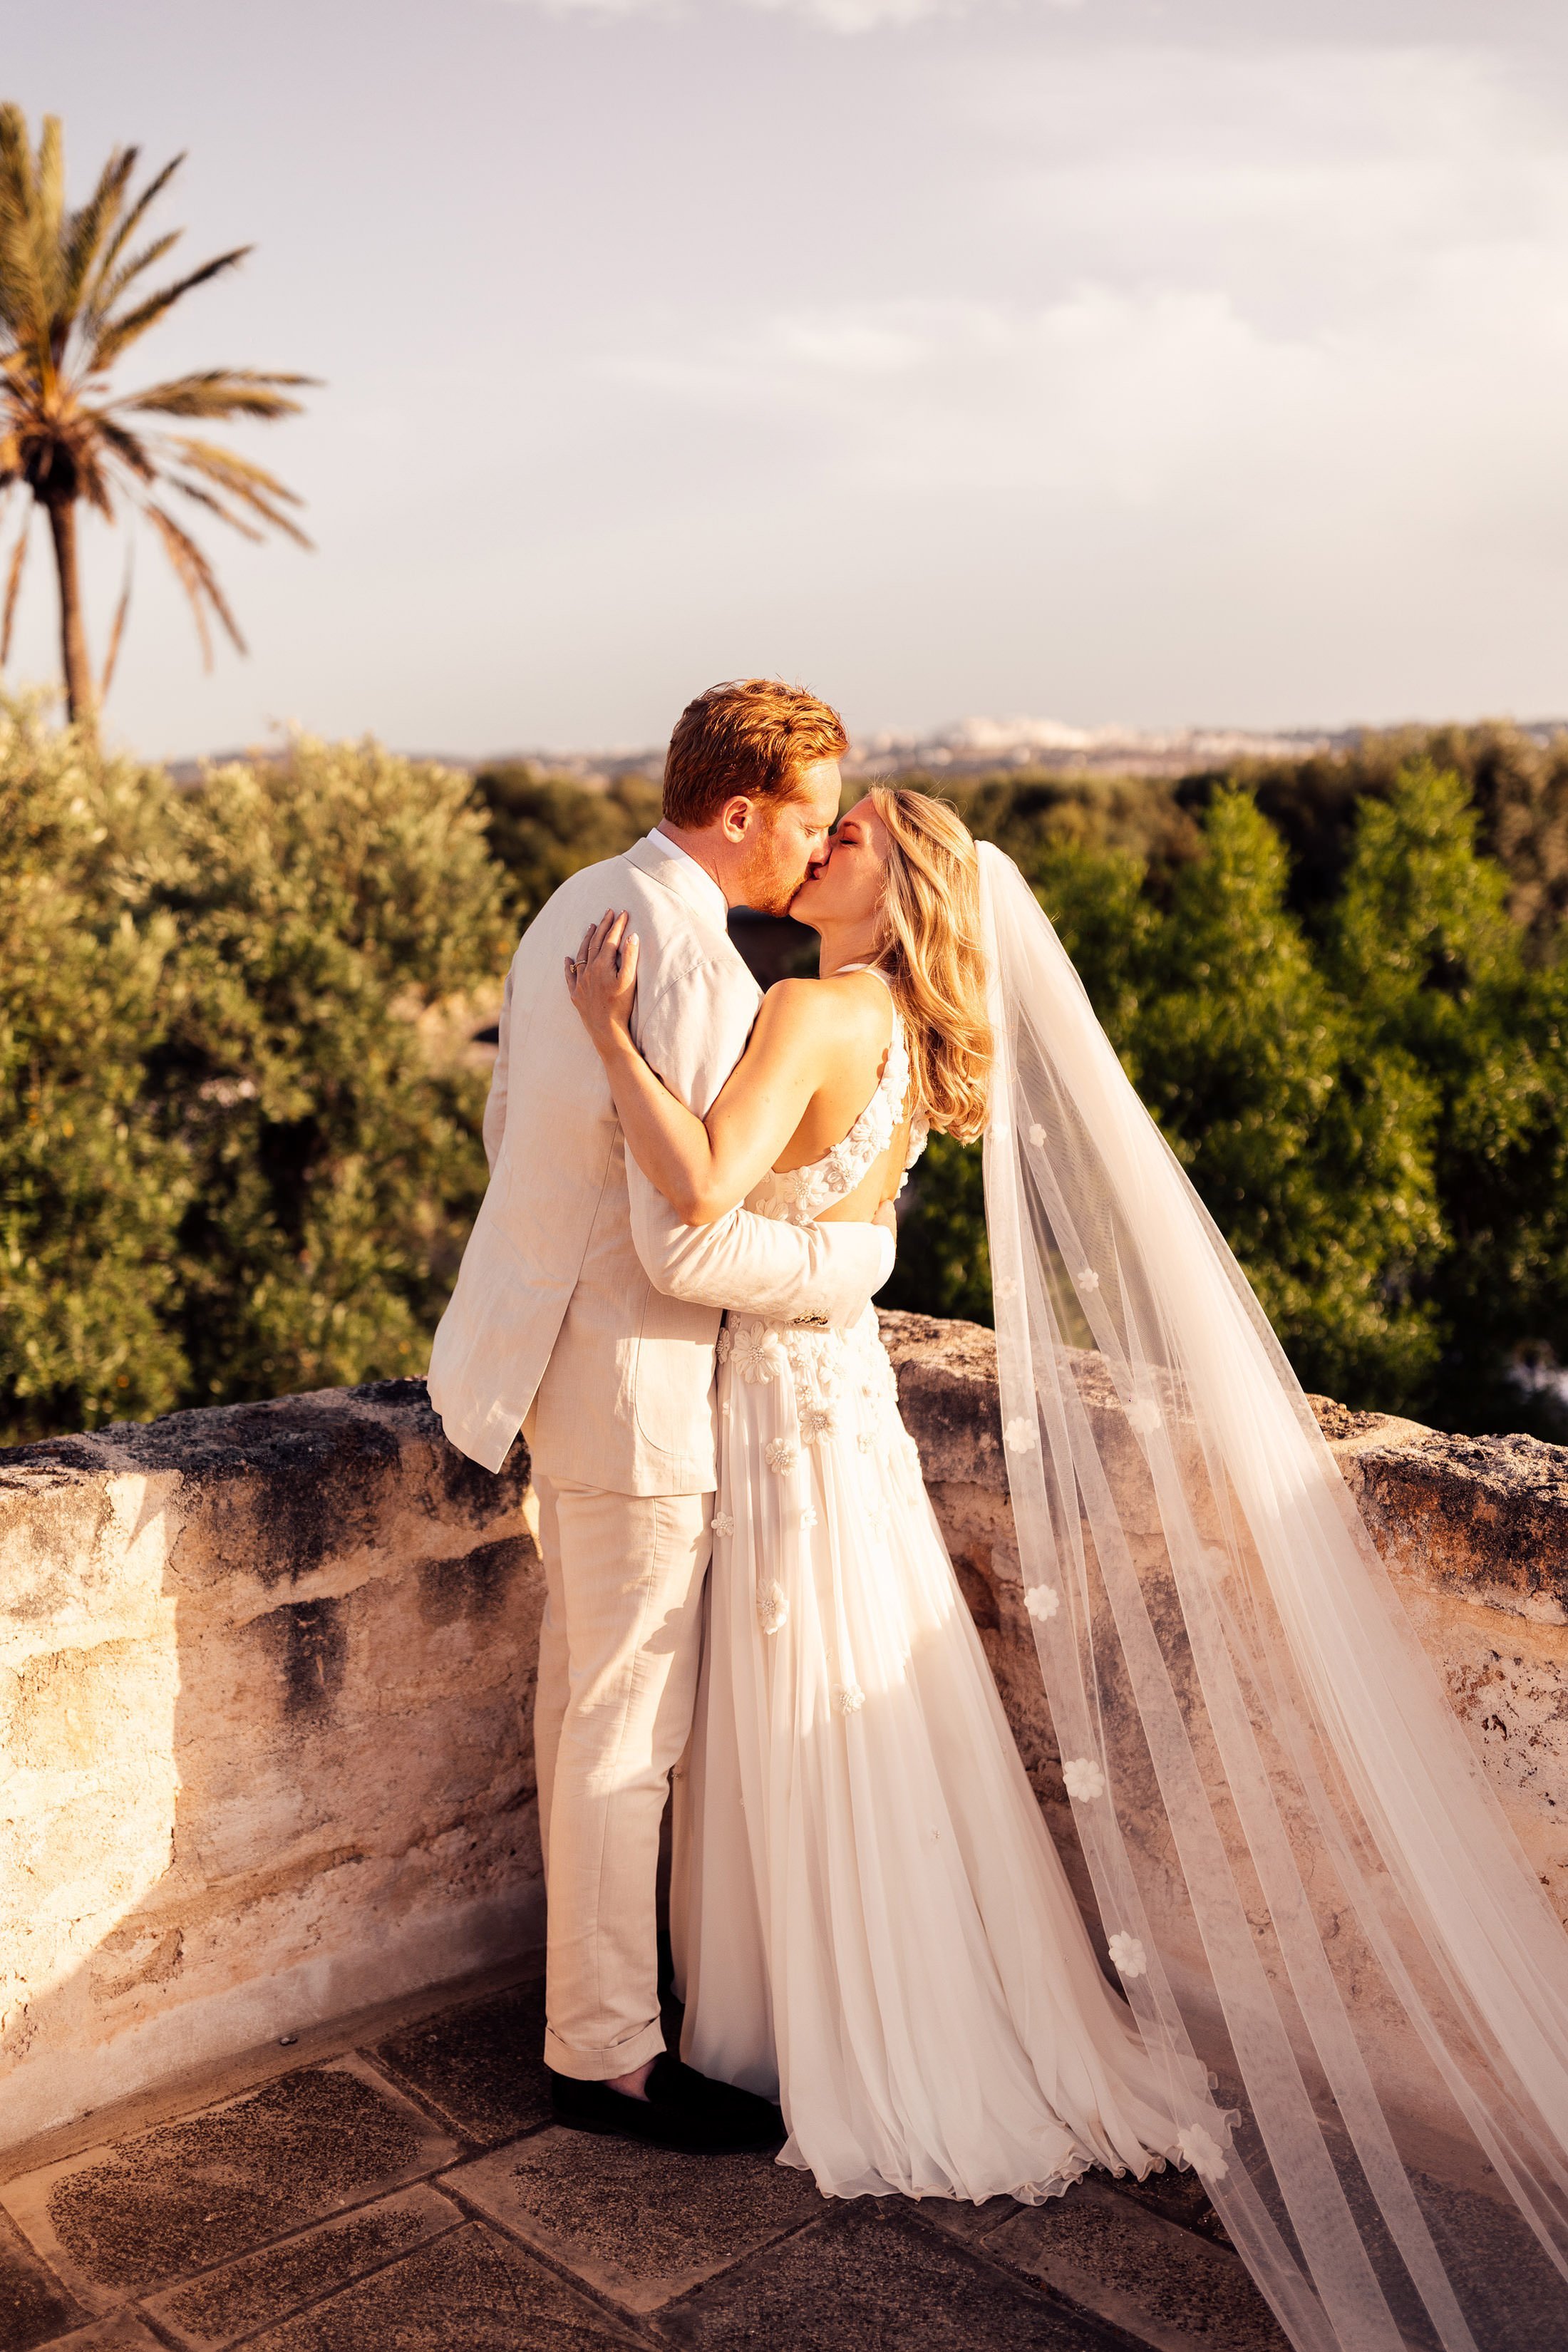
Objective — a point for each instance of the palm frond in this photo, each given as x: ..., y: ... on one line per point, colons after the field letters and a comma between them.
x: 220, y: 394
x: 93, y: 481
x: 117, y: 630
x: 14, y: 586
x: 108, y: 293
x: 49, y: 208
x: 88, y: 227
x: 240, y: 478
x: 197, y: 579
x: 130, y: 448
x: 23, y: 307
x: 97, y: 301
x: 117, y: 335
x: 202, y: 497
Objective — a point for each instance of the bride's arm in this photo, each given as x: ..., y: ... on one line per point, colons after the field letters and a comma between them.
x: 702, y: 1169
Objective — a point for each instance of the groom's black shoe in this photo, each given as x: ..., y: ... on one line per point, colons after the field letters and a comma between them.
x: 682, y: 2110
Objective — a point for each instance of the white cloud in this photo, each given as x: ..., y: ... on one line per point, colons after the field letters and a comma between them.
x: 1356, y: 314
x: 1167, y: 401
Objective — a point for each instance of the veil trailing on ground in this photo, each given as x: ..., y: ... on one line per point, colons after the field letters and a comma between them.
x: 1306, y: 1881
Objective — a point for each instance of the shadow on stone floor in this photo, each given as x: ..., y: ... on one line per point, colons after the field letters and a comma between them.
x: 414, y: 2192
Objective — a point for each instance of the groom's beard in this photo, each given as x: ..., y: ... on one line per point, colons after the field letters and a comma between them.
x: 769, y: 882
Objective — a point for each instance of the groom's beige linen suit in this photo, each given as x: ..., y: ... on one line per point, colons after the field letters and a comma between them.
x: 587, y: 1313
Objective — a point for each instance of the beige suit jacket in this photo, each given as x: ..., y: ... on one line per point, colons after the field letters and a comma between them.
x: 582, y: 1298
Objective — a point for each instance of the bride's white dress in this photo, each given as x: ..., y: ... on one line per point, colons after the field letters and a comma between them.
x: 873, y: 1923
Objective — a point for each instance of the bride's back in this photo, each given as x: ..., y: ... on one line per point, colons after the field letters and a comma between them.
x: 850, y: 1019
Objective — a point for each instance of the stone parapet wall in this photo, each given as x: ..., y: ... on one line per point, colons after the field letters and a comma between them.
x: 266, y: 1677
x: 266, y: 1683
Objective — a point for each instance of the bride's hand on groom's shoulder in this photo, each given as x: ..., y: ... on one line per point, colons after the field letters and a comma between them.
x: 602, y: 977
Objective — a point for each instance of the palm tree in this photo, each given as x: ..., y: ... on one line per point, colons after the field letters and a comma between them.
x: 70, y: 307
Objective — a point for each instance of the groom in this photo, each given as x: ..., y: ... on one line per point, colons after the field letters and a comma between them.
x: 587, y: 1315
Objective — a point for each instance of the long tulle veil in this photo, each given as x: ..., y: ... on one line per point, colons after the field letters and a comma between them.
x: 1304, y: 1878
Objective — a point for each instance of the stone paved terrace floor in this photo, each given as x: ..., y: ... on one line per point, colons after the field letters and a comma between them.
x: 397, y: 2185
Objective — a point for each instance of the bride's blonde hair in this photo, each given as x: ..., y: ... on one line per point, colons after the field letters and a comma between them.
x: 930, y: 951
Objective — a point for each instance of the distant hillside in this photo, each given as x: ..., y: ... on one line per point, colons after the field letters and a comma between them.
x: 971, y: 746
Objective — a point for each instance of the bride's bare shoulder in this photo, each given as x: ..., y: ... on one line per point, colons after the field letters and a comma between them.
x: 832, y: 1032
x: 845, y: 1007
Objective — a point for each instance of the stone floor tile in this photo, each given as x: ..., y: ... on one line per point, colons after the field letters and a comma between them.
x: 637, y: 2224
x: 211, y: 2310
x: 869, y: 2278
x: 34, y: 2306
x: 1165, y: 2286
x: 1506, y: 2285
x: 480, y: 2065
x: 124, y: 2332
x: 140, y: 2213
x: 468, y: 2292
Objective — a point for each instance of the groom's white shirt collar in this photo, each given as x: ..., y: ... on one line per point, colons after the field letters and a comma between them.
x: 700, y: 885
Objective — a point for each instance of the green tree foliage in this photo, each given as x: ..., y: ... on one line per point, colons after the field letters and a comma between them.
x: 1420, y: 942
x: 323, y: 904
x: 92, y: 1191
x: 1309, y: 1139
x: 1518, y: 787
x: 231, y: 1163
x: 1367, y: 1078
x: 543, y: 827
x: 943, y: 1265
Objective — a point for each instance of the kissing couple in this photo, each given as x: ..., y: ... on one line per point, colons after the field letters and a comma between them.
x: 1315, y: 1952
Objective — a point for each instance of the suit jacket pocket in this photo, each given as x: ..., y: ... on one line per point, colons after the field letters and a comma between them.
x: 672, y: 1379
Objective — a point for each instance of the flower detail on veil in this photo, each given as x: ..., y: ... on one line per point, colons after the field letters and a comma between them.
x: 723, y: 1523
x: 1143, y: 1415
x: 1129, y: 1958
x: 1018, y: 1437
x: 850, y: 1699
x: 1202, y: 2152
x: 781, y: 1455
x: 1084, y: 1779
x: 1042, y: 1601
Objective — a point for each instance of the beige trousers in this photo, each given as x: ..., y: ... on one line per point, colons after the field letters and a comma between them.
x: 618, y: 1653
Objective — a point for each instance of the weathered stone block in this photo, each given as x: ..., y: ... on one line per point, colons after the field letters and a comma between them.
x: 265, y: 1690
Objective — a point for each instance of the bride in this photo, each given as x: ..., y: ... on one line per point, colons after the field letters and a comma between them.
x: 1343, y: 1998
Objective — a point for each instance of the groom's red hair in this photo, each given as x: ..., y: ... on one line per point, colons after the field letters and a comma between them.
x: 752, y: 735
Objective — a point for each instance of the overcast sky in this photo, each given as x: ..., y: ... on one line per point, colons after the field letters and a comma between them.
x: 1197, y: 363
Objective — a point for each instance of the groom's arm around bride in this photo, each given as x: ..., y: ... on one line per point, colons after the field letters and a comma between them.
x: 587, y: 1315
